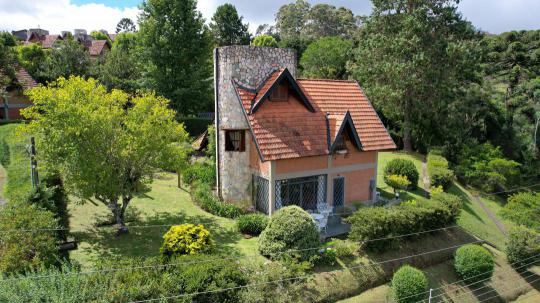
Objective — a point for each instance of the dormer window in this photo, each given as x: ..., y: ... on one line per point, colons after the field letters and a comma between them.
x: 280, y: 93
x: 341, y: 146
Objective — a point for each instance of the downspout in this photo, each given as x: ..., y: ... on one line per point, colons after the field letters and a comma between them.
x: 216, y: 130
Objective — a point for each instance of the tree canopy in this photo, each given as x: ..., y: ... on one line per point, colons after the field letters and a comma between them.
x: 125, y: 25
x: 227, y: 26
x: 177, y: 53
x: 327, y: 58
x: 106, y: 145
x: 265, y: 40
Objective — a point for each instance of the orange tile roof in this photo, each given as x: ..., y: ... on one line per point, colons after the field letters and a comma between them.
x: 96, y: 48
x: 284, y: 130
x: 49, y: 40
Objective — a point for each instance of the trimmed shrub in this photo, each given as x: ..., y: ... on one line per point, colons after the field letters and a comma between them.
x: 522, y: 209
x: 203, y: 196
x: 29, y: 247
x: 344, y: 248
x: 252, y: 224
x: 409, y: 285
x: 397, y: 182
x: 201, y: 172
x: 522, y: 245
x: 380, y: 222
x: 402, y: 167
x: 473, y: 263
x: 439, y: 173
x: 290, y: 228
x: 186, y: 239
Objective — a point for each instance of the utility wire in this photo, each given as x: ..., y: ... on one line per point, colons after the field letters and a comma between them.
x: 467, y: 285
x: 302, y: 277
x: 522, y: 285
x: 476, y: 282
x: 220, y: 258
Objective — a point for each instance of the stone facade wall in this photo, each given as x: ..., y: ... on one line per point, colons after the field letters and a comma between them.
x: 249, y: 65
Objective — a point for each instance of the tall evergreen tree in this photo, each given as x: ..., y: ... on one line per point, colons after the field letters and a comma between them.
x: 411, y: 59
x: 177, y: 50
x: 227, y: 26
x: 125, y: 25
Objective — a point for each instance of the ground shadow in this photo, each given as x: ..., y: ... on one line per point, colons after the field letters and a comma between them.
x: 145, y: 236
x: 456, y: 190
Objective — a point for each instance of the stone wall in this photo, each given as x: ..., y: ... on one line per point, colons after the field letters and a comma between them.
x: 249, y: 65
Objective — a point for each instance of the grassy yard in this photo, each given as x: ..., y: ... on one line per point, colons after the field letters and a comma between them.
x: 448, y: 288
x: 387, y: 191
x: 165, y: 204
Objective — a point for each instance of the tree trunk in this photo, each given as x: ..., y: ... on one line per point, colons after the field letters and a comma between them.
x: 407, y: 140
x: 118, y: 213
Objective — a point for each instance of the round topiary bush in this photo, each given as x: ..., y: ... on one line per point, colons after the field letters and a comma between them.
x: 290, y: 228
x: 473, y: 263
x: 186, y: 239
x: 409, y: 284
x: 252, y: 224
x: 402, y: 167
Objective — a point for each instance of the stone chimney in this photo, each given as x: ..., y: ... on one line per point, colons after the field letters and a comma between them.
x: 249, y: 65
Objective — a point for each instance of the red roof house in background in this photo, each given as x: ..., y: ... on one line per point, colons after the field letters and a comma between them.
x: 306, y: 142
x: 14, y: 99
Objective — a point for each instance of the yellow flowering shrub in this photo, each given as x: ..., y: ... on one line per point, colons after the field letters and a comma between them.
x: 186, y: 239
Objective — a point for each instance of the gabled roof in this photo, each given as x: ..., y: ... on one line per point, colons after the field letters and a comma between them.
x: 49, y: 40
x: 345, y: 124
x: 97, y: 46
x: 285, y: 130
x: 271, y: 82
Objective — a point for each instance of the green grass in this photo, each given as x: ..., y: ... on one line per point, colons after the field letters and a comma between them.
x: 387, y: 191
x: 165, y: 204
x: 442, y: 278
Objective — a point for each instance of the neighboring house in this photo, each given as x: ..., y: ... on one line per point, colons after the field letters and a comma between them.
x: 51, y: 41
x: 98, y: 48
x: 285, y: 141
x: 13, y: 97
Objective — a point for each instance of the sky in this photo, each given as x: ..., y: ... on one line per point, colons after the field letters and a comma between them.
x: 494, y: 16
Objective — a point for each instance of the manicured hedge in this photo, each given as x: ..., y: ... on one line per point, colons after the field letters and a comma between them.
x: 523, y: 246
x: 439, y: 173
x: 473, y: 263
x: 409, y: 285
x: 186, y: 239
x: 290, y: 228
x: 252, y: 224
x: 203, y: 196
x: 195, y: 126
x: 381, y: 222
x: 402, y: 167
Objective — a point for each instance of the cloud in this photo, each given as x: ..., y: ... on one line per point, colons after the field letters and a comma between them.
x: 59, y: 15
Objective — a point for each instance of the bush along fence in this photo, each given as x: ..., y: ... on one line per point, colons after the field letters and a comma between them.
x: 410, y: 217
x: 29, y: 208
x: 438, y: 171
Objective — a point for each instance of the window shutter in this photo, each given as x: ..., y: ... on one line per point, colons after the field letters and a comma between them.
x: 243, y: 140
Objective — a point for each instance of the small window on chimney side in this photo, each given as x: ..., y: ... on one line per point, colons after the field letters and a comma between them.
x: 235, y: 140
x: 280, y: 93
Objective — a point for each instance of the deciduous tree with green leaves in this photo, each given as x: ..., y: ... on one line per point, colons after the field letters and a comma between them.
x: 106, y: 146
x: 69, y: 60
x: 524, y: 209
x: 177, y: 48
x: 326, y: 58
x: 227, y: 27
x: 265, y: 40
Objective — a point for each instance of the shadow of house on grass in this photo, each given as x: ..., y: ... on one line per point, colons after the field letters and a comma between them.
x: 146, y: 236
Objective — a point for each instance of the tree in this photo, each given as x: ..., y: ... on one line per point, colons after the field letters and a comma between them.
x: 177, y: 49
x: 70, y: 59
x: 121, y: 68
x: 6, y: 60
x: 106, y: 146
x: 32, y: 57
x: 125, y: 25
x: 397, y: 182
x: 411, y: 58
x: 326, y: 58
x: 265, y: 40
x: 523, y: 209
x: 101, y: 36
x: 227, y: 27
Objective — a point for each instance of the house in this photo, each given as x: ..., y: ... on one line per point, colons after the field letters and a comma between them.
x: 98, y: 48
x: 284, y: 141
x: 51, y: 41
x: 13, y: 98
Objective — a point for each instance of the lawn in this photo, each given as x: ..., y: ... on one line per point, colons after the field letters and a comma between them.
x: 447, y: 287
x: 387, y: 191
x: 165, y: 204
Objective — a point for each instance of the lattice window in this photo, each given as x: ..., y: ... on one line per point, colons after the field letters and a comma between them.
x: 306, y: 192
x: 260, y: 194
